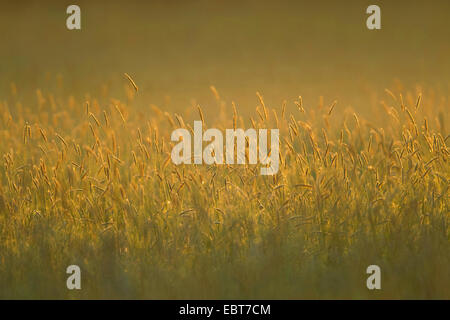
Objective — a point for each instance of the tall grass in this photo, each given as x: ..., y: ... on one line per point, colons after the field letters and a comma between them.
x: 92, y: 184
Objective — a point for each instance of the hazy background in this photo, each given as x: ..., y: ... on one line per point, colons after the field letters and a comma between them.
x: 178, y: 49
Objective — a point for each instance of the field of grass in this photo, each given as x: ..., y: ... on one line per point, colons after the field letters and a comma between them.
x: 93, y: 186
x: 86, y: 176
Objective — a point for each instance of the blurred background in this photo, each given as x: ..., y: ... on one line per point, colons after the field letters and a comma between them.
x: 175, y: 50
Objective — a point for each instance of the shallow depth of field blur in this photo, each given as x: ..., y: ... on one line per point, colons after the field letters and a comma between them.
x: 86, y: 176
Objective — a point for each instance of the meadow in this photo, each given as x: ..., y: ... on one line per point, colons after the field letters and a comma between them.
x: 86, y: 176
x: 96, y: 187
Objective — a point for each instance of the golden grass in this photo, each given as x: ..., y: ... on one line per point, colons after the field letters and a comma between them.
x: 93, y: 185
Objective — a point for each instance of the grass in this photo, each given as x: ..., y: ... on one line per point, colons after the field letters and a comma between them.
x: 92, y: 184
